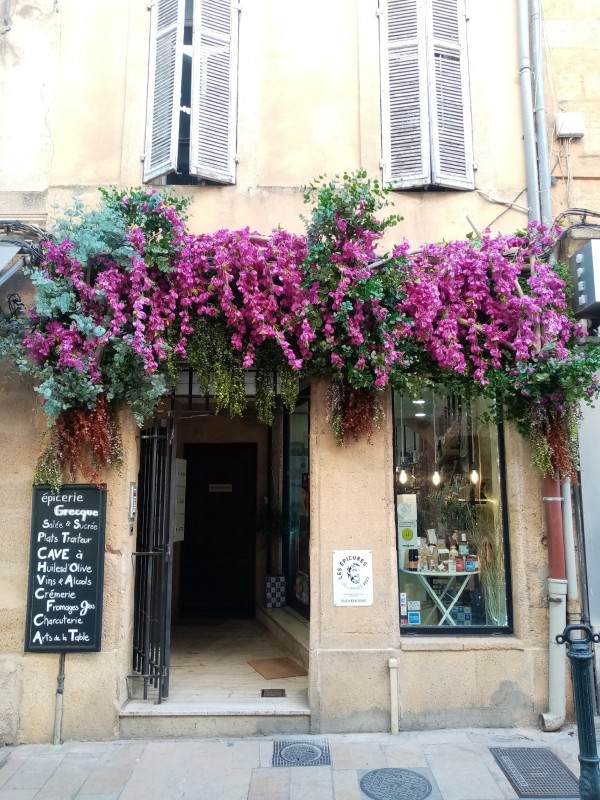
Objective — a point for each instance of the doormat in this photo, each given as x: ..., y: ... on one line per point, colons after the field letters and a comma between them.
x: 271, y: 668
x: 536, y: 772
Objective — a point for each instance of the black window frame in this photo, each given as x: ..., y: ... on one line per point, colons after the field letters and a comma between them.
x: 467, y: 630
x: 292, y: 601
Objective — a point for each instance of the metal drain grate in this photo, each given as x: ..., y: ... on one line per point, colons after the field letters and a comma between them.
x: 536, y: 772
x: 301, y: 753
x: 272, y: 692
x: 395, y: 784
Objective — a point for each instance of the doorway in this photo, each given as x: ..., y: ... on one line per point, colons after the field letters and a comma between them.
x: 218, y: 554
x: 217, y: 481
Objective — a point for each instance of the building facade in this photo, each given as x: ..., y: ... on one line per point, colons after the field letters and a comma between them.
x: 239, y: 108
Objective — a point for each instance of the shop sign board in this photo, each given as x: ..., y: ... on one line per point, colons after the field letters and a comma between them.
x: 66, y: 569
x: 352, y: 578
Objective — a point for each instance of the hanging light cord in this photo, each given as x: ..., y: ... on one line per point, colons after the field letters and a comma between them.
x: 436, y: 478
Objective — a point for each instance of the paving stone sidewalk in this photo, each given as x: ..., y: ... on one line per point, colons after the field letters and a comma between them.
x: 444, y: 765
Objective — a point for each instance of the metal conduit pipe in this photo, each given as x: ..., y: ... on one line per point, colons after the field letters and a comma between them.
x: 537, y: 166
x: 554, y: 718
x: 533, y: 200
x: 539, y: 110
x: 394, y: 706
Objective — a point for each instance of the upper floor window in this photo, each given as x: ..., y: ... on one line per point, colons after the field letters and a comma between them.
x: 192, y: 94
x: 426, y: 118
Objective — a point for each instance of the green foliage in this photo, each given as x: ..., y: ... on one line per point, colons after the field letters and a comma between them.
x: 94, y: 232
x: 49, y: 466
x: 219, y: 367
x: 137, y: 209
x: 126, y: 380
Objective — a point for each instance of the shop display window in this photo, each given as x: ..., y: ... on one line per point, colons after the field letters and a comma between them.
x: 450, y: 516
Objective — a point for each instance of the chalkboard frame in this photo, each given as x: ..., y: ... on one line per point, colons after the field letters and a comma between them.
x: 99, y: 502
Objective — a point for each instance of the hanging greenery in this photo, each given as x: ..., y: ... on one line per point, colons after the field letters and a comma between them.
x: 125, y: 292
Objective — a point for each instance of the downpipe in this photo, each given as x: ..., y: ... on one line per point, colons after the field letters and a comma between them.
x: 554, y: 718
x: 525, y: 76
x: 573, y: 605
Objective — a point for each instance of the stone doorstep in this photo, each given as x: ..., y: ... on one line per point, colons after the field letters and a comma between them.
x: 210, y: 724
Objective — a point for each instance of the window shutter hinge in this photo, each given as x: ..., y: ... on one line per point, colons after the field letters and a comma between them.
x: 143, y: 157
x: 150, y: 5
x: 236, y: 159
x: 382, y: 165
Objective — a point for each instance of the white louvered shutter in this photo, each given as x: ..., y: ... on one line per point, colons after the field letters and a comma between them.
x: 449, y: 102
x: 214, y: 90
x: 405, y: 125
x: 164, y: 88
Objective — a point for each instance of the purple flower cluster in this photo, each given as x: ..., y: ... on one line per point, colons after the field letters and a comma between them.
x: 471, y: 312
x: 468, y: 305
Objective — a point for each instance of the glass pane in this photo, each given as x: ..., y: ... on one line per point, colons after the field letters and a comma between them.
x: 297, y: 568
x: 451, y: 542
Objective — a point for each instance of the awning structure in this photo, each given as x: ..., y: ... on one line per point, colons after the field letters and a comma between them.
x: 19, y: 244
x: 11, y: 260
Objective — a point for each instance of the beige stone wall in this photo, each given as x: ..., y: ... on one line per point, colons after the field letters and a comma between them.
x: 302, y: 112
x: 572, y: 38
x: 446, y: 681
x: 73, y: 81
x: 95, y: 683
x: 351, y: 507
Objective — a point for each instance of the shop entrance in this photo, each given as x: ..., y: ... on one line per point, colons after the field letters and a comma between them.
x: 209, y: 531
x: 218, y: 553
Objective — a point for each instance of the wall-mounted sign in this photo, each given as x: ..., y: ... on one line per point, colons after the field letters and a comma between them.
x: 220, y: 487
x: 352, y: 578
x: 66, y: 568
x: 132, y: 501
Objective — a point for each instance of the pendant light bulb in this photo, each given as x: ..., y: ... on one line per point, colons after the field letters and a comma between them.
x: 474, y: 476
x: 403, y: 477
x: 435, y: 479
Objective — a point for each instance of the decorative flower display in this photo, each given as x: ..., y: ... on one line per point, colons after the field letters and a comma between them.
x: 125, y: 292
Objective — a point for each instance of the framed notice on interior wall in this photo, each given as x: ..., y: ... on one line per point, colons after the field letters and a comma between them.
x: 66, y: 569
x: 352, y: 578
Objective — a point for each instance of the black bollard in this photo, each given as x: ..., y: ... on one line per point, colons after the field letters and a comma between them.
x: 580, y: 653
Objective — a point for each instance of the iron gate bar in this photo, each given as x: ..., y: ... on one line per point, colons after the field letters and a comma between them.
x: 153, y: 579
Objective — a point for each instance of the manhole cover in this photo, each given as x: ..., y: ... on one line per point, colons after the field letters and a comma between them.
x: 536, y: 772
x: 300, y: 754
x: 395, y: 784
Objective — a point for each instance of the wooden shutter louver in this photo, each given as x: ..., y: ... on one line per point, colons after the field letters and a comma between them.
x: 164, y: 88
x: 405, y: 131
x: 214, y: 91
x: 452, y: 157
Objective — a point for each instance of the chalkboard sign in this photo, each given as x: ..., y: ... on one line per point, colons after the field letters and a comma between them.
x: 66, y: 568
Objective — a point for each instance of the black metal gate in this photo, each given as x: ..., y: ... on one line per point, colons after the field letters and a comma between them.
x: 153, y: 558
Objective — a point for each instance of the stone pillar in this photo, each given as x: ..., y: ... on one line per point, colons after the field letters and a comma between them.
x: 351, y: 508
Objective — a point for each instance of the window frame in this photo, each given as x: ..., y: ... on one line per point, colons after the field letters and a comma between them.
x: 304, y: 397
x: 467, y: 630
x: 428, y: 162
x: 215, y: 163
